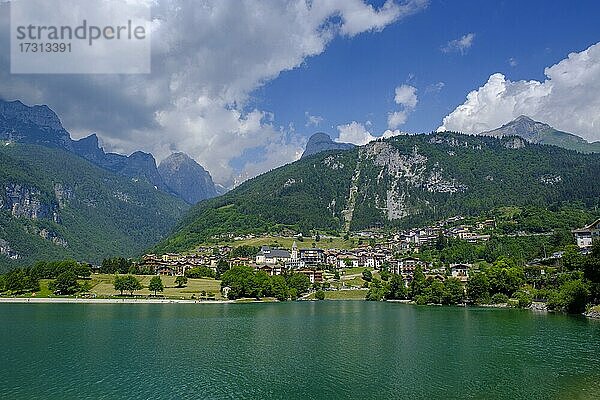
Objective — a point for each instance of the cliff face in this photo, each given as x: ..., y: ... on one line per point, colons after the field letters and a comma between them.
x: 404, y: 181
x: 186, y: 178
x: 56, y: 205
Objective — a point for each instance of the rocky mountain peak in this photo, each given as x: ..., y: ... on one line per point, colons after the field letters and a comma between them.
x: 539, y: 132
x: 321, y: 141
x: 188, y: 179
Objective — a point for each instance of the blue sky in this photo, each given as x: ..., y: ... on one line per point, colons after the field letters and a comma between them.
x: 354, y: 79
x: 234, y: 81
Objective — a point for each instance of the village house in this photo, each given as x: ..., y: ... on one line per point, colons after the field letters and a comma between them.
x: 347, y: 261
x: 270, y: 256
x: 460, y: 271
x: 312, y: 257
x: 406, y: 267
x: 586, y: 235
x: 314, y: 275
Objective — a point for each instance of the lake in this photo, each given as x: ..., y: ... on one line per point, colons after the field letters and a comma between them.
x: 295, y: 350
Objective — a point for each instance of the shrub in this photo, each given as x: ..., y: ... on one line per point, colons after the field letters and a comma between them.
x: 499, y: 298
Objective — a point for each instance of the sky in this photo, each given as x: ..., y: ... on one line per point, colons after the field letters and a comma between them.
x: 241, y: 85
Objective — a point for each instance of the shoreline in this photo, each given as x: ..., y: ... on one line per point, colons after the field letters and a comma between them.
x: 72, y: 300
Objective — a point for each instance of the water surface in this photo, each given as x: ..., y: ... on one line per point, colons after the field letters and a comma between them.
x: 299, y: 350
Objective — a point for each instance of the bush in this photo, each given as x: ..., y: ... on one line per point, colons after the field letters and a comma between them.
x: 320, y: 295
x: 523, y: 298
x: 499, y: 298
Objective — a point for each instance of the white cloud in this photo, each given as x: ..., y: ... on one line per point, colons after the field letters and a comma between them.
x: 397, y: 118
x: 513, y: 62
x: 435, y: 87
x: 197, y: 97
x: 357, y: 133
x: 354, y: 132
x: 460, y: 45
x: 389, y: 133
x: 312, y: 120
x: 406, y: 97
x: 569, y: 99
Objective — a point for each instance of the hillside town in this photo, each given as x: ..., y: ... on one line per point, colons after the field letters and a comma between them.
x: 397, y: 254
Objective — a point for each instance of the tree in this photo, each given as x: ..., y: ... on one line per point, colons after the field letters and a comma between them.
x: 574, y: 296
x: 453, y: 291
x: 222, y: 267
x: 66, y: 283
x: 181, y: 281
x: 132, y: 284
x: 418, y: 283
x: 434, y: 292
x: 279, y: 288
x: 397, y: 288
x: 367, y: 275
x: 298, y: 281
x: 385, y: 275
x: 156, y: 284
x: 478, y: 288
x: 238, y: 279
x: 377, y: 291
x: 200, y: 272
x: 320, y: 295
x: 260, y: 285
x: 120, y: 284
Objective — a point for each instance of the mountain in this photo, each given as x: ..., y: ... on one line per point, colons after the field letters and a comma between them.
x: 40, y: 125
x: 54, y: 204
x: 320, y: 141
x: 186, y: 178
x: 538, y: 132
x: 403, y: 181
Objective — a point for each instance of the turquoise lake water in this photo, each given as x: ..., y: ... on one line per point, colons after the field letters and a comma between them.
x: 296, y: 350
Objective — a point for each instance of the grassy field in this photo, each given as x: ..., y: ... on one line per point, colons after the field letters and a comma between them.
x: 286, y: 242
x: 102, y: 286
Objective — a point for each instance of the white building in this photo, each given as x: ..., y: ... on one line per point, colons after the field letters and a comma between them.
x: 586, y: 235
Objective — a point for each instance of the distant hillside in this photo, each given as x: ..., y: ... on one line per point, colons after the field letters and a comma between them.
x: 538, y: 132
x: 40, y: 125
x: 320, y: 141
x: 402, y: 181
x: 54, y: 204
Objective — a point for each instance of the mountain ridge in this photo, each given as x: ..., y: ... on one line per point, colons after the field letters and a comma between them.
x: 405, y: 181
x: 542, y: 133
x: 56, y: 205
x: 40, y: 125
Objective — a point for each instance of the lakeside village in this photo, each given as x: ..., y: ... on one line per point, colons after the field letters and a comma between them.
x: 425, y: 266
x: 373, y: 252
x: 374, y: 258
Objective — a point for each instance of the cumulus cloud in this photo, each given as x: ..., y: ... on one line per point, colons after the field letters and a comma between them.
x: 197, y: 98
x: 568, y: 99
x: 354, y: 132
x: 460, y: 45
x: 357, y: 133
x: 406, y: 97
x: 313, y: 120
